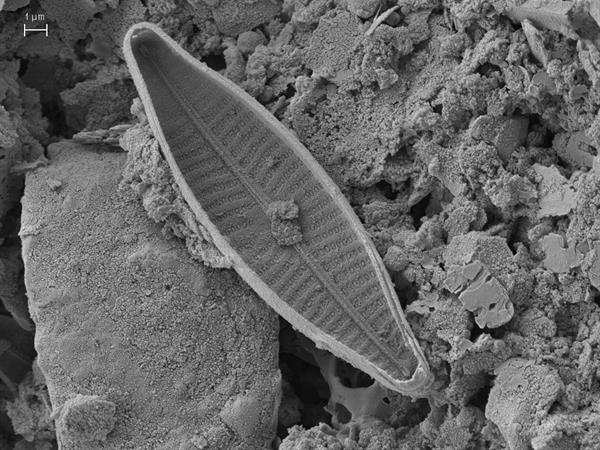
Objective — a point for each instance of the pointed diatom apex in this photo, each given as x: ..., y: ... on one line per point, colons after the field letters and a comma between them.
x: 327, y: 280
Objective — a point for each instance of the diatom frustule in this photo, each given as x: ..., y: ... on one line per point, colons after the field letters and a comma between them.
x: 270, y: 207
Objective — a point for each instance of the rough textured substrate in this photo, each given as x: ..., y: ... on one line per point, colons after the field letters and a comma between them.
x: 187, y: 354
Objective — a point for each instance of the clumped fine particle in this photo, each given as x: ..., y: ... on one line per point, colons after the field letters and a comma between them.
x: 492, y: 251
x: 505, y: 133
x: 85, y: 418
x: 148, y: 175
x: 351, y: 135
x: 331, y: 45
x: 71, y: 16
x: 109, y: 27
x: 594, y: 268
x: 99, y: 103
x: 249, y: 40
x: 315, y: 438
x: 461, y: 432
x: 234, y: 16
x: 443, y: 165
x: 285, y: 226
x: 249, y: 411
x: 31, y: 412
x: 12, y: 5
x: 363, y: 8
x: 522, y: 394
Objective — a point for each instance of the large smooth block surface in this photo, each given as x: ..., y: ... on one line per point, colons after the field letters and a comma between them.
x: 126, y: 315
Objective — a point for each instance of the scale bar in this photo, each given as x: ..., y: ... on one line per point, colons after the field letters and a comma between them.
x: 25, y: 29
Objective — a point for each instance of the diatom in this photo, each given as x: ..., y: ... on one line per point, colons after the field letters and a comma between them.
x: 289, y: 231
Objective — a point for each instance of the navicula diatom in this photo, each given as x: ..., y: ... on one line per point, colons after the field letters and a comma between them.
x: 324, y: 275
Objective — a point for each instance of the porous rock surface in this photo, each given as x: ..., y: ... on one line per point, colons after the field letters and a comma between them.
x: 521, y: 396
x: 186, y: 354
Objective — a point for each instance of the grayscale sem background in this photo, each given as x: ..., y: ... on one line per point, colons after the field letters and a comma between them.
x: 464, y: 134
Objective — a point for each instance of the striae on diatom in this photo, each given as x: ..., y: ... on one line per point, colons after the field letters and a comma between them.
x: 323, y: 274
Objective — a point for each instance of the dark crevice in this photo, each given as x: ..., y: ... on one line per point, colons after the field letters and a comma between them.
x: 58, y: 124
x: 494, y: 217
x: 581, y: 77
x: 486, y: 69
x: 290, y: 91
x: 407, y: 292
x: 302, y: 378
x: 480, y: 399
x: 387, y: 190
x: 215, y: 62
x: 497, y: 333
x: 544, y: 136
x: 264, y: 30
x: 80, y: 49
x: 300, y: 370
x: 595, y: 296
x: 10, y: 224
x: 403, y: 61
x: 350, y: 376
x: 342, y: 414
x: 475, y: 333
x: 419, y: 210
x: 50, y: 78
x: 23, y: 65
x: 518, y: 233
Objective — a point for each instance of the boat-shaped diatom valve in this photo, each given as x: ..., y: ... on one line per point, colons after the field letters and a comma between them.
x: 270, y: 207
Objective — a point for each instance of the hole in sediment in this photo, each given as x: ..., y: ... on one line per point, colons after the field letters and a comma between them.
x: 215, y: 62
x: 387, y: 190
x: 350, y: 376
x: 305, y: 381
x: 419, y: 210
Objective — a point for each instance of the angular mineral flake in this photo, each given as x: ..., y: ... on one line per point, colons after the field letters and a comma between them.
x: 557, y: 197
x: 559, y: 258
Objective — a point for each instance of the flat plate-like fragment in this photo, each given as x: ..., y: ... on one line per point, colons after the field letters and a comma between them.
x: 331, y: 283
x: 549, y: 14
